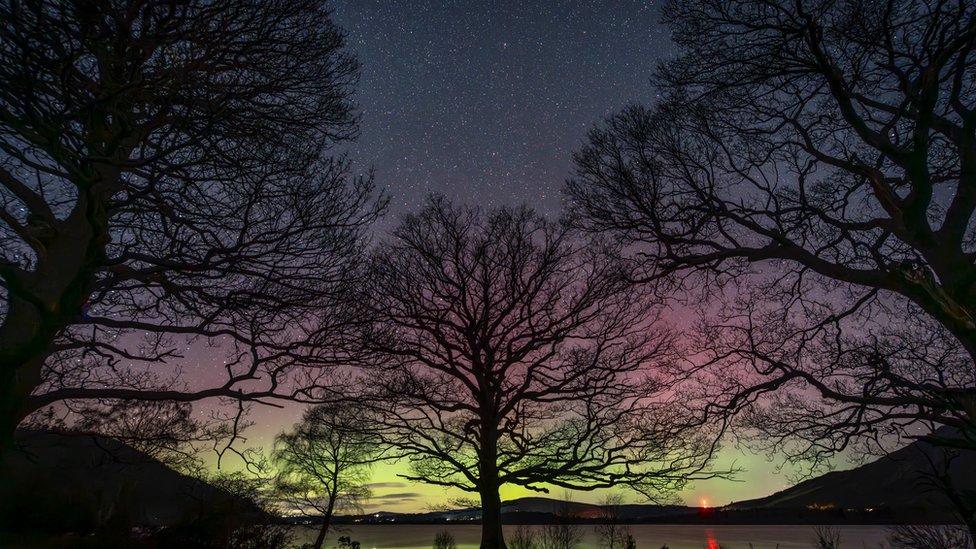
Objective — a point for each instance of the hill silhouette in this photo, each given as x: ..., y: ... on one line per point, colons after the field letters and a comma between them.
x: 899, y: 481
x: 63, y: 482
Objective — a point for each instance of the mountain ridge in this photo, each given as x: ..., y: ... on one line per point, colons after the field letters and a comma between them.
x: 895, y: 481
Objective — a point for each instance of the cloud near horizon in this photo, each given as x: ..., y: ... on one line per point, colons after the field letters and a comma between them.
x: 399, y: 495
x: 372, y: 485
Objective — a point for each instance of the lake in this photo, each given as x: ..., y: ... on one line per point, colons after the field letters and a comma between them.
x: 648, y: 536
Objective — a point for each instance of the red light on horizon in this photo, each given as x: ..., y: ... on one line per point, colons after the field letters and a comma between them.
x: 710, y: 540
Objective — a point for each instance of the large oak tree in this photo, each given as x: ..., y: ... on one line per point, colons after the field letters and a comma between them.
x: 818, y: 159
x: 164, y: 175
x: 508, y: 352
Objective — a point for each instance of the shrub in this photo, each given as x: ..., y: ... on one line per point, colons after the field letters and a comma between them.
x: 826, y: 538
x: 561, y: 536
x: 444, y: 540
x: 264, y: 535
x: 523, y: 538
x: 346, y: 542
x: 929, y: 537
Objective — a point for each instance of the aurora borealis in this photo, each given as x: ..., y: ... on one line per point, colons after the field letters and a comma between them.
x: 485, y: 103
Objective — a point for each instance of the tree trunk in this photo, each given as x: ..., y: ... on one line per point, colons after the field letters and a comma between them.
x: 16, y: 385
x: 9, y: 404
x: 42, y: 302
x: 17, y: 334
x: 327, y: 515
x: 20, y: 374
x: 320, y: 539
x: 488, y: 484
x: 491, y: 518
x: 491, y: 503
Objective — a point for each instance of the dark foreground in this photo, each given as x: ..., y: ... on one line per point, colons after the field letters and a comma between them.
x: 651, y: 536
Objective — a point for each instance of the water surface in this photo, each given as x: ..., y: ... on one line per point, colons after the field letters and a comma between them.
x: 648, y: 536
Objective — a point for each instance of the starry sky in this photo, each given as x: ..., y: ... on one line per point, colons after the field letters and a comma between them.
x: 485, y: 101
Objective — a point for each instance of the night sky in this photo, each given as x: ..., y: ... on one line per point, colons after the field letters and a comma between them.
x: 485, y: 102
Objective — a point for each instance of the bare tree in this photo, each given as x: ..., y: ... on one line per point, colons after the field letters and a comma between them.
x: 324, y: 463
x: 524, y: 537
x: 561, y: 535
x: 818, y: 160
x: 164, y: 186
x: 613, y: 534
x: 508, y: 352
x: 564, y: 532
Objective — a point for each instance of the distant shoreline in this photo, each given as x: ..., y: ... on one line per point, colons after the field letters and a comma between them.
x: 717, y: 517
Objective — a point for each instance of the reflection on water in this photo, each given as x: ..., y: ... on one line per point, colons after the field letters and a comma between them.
x: 648, y: 536
x: 710, y: 538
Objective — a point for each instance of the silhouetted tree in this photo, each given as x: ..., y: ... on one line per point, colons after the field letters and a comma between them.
x: 508, y: 352
x: 564, y: 533
x: 612, y: 534
x: 163, y: 177
x: 820, y: 156
x: 324, y: 463
x: 524, y: 537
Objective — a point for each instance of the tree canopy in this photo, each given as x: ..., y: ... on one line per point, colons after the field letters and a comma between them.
x: 507, y: 351
x: 165, y: 175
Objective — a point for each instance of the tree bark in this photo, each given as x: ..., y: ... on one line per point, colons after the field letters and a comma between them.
x: 320, y: 539
x: 44, y: 301
x: 25, y: 339
x: 17, y: 330
x: 491, y: 503
x: 327, y: 516
x: 9, y: 403
x: 492, y: 536
x: 491, y: 518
